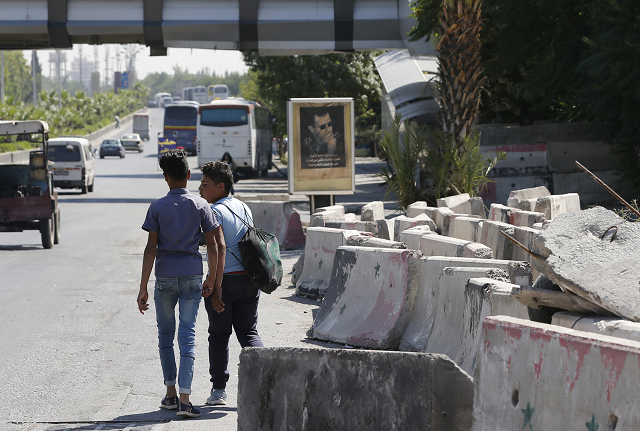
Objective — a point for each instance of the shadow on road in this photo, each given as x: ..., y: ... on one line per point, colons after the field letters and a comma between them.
x: 161, y: 415
x: 108, y: 201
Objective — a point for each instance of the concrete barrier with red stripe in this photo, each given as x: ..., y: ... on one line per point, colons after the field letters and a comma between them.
x: 543, y: 377
x: 280, y: 219
x: 370, y: 298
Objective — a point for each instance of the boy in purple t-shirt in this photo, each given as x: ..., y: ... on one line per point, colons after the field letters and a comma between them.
x: 174, y: 224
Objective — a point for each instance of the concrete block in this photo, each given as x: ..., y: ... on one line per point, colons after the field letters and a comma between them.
x: 492, y: 238
x: 332, y: 208
x: 502, y: 213
x: 447, y: 221
x: 385, y: 229
x: 526, y: 236
x: 438, y: 245
x: 554, y: 205
x: 280, y: 219
x: 439, y: 218
x: 370, y: 241
x: 402, y: 222
x: 361, y: 226
x: 320, y: 219
x: 430, y: 272
x: 467, y: 296
x: 516, y: 196
x: 319, y: 252
x: 370, y: 298
x: 611, y: 326
x: 601, y: 269
x: 467, y: 228
x: 536, y: 376
x: 453, y: 201
x: 526, y: 218
x: 288, y: 388
x: 372, y: 211
x: 411, y: 237
x: 418, y: 208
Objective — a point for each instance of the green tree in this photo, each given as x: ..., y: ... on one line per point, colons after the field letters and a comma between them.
x: 279, y: 78
x: 17, y: 76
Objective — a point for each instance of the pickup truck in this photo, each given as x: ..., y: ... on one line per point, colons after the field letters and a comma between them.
x: 27, y: 200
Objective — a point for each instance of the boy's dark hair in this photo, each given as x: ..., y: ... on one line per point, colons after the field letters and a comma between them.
x: 218, y: 172
x: 175, y: 165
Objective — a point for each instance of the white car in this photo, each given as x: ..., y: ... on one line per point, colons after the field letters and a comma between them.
x: 132, y: 141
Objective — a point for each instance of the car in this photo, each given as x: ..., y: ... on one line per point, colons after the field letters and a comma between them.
x: 176, y: 99
x: 166, y: 101
x: 111, y: 147
x: 132, y: 141
x: 151, y: 103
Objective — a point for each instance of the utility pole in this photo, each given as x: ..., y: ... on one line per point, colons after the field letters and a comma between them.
x: 106, y: 66
x: 80, y: 55
x: 59, y: 81
x: 34, y: 74
x: 1, y: 76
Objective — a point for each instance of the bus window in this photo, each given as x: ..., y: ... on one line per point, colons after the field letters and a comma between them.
x: 224, y: 117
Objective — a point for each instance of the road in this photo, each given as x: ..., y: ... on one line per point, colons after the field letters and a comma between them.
x: 74, y: 346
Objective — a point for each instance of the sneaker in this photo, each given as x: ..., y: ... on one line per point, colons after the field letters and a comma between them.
x: 170, y: 403
x: 218, y: 397
x: 188, y: 411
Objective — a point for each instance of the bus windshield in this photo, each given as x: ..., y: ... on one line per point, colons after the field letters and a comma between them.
x: 224, y: 117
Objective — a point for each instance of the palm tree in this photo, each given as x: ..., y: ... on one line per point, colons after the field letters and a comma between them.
x: 460, y: 74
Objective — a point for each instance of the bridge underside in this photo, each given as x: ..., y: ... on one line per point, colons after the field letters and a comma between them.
x: 271, y: 27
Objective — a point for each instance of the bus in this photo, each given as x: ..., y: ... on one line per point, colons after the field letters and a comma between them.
x: 200, y: 94
x: 218, y: 92
x: 239, y: 127
x: 187, y: 93
x: 158, y: 98
x: 180, y: 123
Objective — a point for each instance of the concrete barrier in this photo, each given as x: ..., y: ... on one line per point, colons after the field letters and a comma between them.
x: 402, y: 223
x: 370, y: 298
x: 373, y: 242
x: 463, y: 204
x: 420, y: 207
x: 467, y: 296
x: 411, y: 237
x: 554, y: 205
x: 449, y: 217
x: 492, y: 238
x: 385, y: 229
x: 525, y: 236
x: 438, y: 245
x: 280, y: 219
x: 526, y: 218
x: 288, y: 388
x: 611, y: 326
x: 332, y: 208
x: 15, y: 157
x: 430, y: 272
x: 517, y: 196
x: 501, y: 213
x: 320, y: 219
x: 372, y: 211
x: 319, y: 252
x: 361, y: 226
x: 439, y: 218
x: 542, y: 377
x: 467, y: 228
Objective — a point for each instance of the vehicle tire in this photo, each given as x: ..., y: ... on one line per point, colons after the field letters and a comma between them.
x: 46, y: 232
x: 90, y: 188
x: 83, y: 189
x: 140, y: 151
x: 264, y: 172
x: 56, y: 232
x: 102, y: 157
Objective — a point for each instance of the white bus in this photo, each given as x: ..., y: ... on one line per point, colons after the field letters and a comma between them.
x: 238, y: 127
x: 187, y: 93
x: 200, y: 94
x: 218, y: 92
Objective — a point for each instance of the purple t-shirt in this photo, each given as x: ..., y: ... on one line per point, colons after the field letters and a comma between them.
x: 177, y: 219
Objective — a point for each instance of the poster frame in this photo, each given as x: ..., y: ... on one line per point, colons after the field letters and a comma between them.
x: 294, y: 146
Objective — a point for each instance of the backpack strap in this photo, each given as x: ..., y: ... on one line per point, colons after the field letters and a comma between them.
x: 245, y: 223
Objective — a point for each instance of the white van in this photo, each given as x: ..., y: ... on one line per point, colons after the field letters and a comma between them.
x: 73, y: 163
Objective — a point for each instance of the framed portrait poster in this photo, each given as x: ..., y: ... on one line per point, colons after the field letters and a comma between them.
x: 321, y: 146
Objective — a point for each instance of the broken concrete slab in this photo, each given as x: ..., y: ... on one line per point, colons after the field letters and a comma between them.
x: 594, y: 254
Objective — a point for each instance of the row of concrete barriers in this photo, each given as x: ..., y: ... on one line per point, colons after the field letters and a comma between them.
x: 422, y: 295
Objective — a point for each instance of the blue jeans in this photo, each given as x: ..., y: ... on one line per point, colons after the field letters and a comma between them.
x: 186, y: 291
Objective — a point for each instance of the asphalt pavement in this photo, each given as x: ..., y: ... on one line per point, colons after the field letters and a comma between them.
x: 76, y: 353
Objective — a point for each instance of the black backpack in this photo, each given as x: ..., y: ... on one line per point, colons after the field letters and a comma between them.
x: 260, y: 256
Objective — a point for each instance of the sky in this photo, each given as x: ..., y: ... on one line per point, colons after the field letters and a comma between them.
x: 193, y: 60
